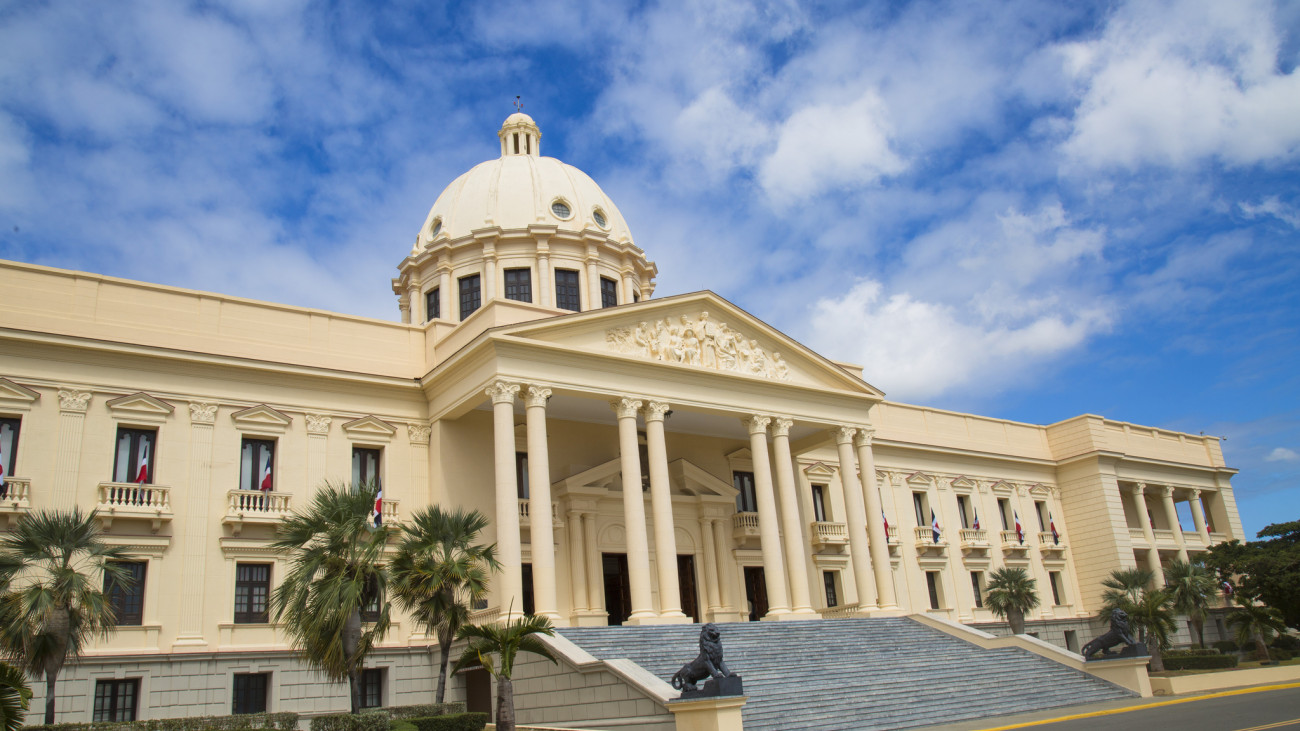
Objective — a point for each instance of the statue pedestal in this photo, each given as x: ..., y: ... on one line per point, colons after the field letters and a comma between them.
x: 708, y: 714
x: 730, y: 685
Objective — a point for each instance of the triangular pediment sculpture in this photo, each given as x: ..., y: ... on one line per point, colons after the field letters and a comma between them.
x: 12, y: 392
x: 370, y: 427
x: 262, y: 417
x: 819, y: 471
x: 140, y: 404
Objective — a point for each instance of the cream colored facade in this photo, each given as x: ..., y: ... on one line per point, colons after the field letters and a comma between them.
x: 636, y: 420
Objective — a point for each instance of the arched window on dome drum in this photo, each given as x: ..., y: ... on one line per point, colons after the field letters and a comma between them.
x: 471, y: 295
x: 566, y: 290
x: 519, y: 285
x: 432, y: 304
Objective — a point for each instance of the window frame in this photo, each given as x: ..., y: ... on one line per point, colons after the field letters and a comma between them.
x: 520, y: 290
x: 360, y: 473
x: 563, y: 298
x: 1054, y: 580
x: 963, y: 510
x: 818, y: 494
x: 122, y: 597
x: 977, y: 586
x: 521, y: 476
x: 746, y: 494
x: 608, y: 292
x: 371, y: 598
x: 932, y: 579
x: 470, y: 290
x: 239, y: 708
x: 919, y: 504
x: 832, y: 591
x: 249, y: 615
x: 251, y: 479
x: 127, y: 473
x: 113, y: 713
x: 372, y: 687
x: 433, y: 304
x: 9, y: 455
x: 1004, y: 511
x: 1040, y: 506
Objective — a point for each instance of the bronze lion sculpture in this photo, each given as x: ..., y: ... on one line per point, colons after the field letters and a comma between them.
x: 708, y: 664
x: 1119, y: 632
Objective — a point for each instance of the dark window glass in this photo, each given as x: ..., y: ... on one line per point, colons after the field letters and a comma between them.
x: 115, y: 699
x: 365, y: 465
x: 932, y: 583
x: 127, y: 597
x: 1054, y: 578
x: 566, y: 290
x: 471, y: 295
x: 372, y: 688
x: 519, y: 285
x: 250, y: 693
x: 819, y: 503
x: 963, y: 509
x: 252, y: 587
x: 133, y: 461
x: 256, y: 465
x: 1004, y: 511
x: 8, y: 451
x: 746, y: 502
x: 608, y: 292
x: 918, y: 502
x: 370, y: 601
x: 828, y: 578
x: 636, y: 296
x: 1040, y: 508
x: 521, y: 474
x: 975, y: 586
x: 432, y: 304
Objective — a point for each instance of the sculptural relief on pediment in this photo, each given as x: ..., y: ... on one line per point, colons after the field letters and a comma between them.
x: 702, y: 342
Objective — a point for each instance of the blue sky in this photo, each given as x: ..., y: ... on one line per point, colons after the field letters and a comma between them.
x: 1029, y: 210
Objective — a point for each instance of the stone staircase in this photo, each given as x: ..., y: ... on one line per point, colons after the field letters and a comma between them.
x: 857, y: 674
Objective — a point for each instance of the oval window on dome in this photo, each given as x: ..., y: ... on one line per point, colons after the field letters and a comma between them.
x: 599, y: 215
x: 436, y: 227
x: 561, y: 209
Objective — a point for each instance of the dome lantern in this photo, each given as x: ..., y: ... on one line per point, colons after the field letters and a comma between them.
x: 520, y: 136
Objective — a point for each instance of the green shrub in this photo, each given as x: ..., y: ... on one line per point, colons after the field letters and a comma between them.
x: 1290, y: 643
x: 452, y: 722
x: 376, y: 720
x: 1194, y: 652
x: 1225, y: 646
x: 244, y: 722
x: 425, y: 710
x: 1200, y: 662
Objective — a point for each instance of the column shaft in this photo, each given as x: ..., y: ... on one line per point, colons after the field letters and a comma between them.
x: 194, y: 537
x: 859, y: 543
x: 722, y: 552
x: 540, y: 522
x: 778, y: 601
x: 1153, y: 553
x: 509, y: 548
x: 67, y: 466
x: 595, y: 567
x: 796, y: 554
x: 710, y: 565
x: 1198, y: 517
x: 879, y: 542
x: 1171, y: 516
x: 661, y: 503
x: 577, y: 562
x: 638, y: 547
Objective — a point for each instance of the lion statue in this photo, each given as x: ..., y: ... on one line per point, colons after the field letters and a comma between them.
x: 1119, y: 632
x: 709, y: 664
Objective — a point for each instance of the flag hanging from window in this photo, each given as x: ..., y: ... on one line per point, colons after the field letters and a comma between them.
x: 977, y: 520
x: 934, y: 525
x: 1051, y: 522
x: 377, y: 515
x: 142, y: 474
x: 3, y: 473
x: 885, y: 518
x: 266, y: 474
x: 1020, y: 531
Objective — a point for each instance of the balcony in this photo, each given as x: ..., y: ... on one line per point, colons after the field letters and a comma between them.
x: 1138, y: 537
x: 744, y: 525
x: 15, y: 499
x: 892, y: 535
x: 131, y: 500
x: 1048, y: 544
x: 1011, y: 542
x: 925, y: 539
x: 262, y: 508
x: 525, y: 514
x: 974, y: 540
x: 828, y: 535
x: 390, y: 511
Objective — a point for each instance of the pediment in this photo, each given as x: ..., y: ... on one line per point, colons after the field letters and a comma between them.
x: 140, y: 405
x: 819, y: 471
x: 262, y: 417
x: 919, y: 479
x: 690, y: 479
x: 699, y: 332
x: 684, y: 477
x: 370, y: 427
x: 1003, y: 487
x: 14, y: 394
x: 963, y: 482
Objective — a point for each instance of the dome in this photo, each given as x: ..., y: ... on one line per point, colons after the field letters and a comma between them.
x: 522, y: 189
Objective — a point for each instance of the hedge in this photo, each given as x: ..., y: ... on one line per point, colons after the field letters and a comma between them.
x: 243, y: 722
x: 1287, y: 642
x: 1225, y: 646
x: 1199, y: 662
x: 453, y: 722
x: 1193, y: 652
x: 425, y: 710
x: 377, y: 720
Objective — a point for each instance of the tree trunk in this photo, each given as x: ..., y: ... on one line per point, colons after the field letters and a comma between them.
x: 354, y: 690
x: 50, y: 680
x: 351, y: 642
x: 1157, y: 661
x: 59, y: 627
x: 1016, y: 619
x: 1261, y: 649
x: 1198, y: 624
x: 505, y: 705
x: 444, y: 651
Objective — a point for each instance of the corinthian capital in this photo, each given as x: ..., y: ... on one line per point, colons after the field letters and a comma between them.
x: 502, y: 392
x: 864, y: 436
x: 781, y: 426
x: 844, y: 434
x: 655, y: 410
x: 73, y: 400
x: 756, y: 423
x: 625, y: 407
x: 537, y: 396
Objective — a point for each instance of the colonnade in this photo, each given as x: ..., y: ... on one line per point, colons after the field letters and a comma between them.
x: 1139, y: 490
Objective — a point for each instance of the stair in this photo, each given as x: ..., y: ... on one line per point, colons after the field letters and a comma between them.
x: 857, y: 674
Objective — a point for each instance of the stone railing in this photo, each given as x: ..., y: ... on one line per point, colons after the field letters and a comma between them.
x: 974, y: 536
x: 15, y: 499
x: 391, y: 514
x: 1137, y: 536
x: 1163, y: 536
x: 133, y: 500
x: 1011, y: 541
x: 525, y: 514
x: 828, y: 534
x: 523, y: 508
x: 925, y: 537
x: 893, y: 535
x: 843, y: 611
x: 485, y: 616
x: 1047, y: 543
x: 255, y: 506
x: 744, y: 525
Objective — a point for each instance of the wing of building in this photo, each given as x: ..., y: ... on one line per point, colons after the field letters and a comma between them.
x: 643, y: 460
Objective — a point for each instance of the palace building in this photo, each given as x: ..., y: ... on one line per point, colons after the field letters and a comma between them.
x: 642, y: 460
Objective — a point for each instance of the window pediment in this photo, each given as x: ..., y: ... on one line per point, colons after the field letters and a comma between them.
x: 15, y: 395
x: 262, y: 418
x: 819, y: 471
x: 140, y: 406
x: 370, y: 428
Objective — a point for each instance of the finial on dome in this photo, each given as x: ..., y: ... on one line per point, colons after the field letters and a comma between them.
x: 519, y: 134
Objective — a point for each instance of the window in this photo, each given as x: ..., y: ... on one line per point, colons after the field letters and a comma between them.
x: 256, y: 460
x: 1072, y: 640
x: 746, y: 501
x: 1041, y: 508
x: 252, y: 587
x: 566, y: 290
x: 372, y: 687
x: 115, y: 699
x: 608, y: 292
x: 432, y: 304
x: 127, y: 597
x: 521, y: 474
x: 471, y: 295
x: 932, y: 583
x: 8, y: 451
x: 370, y: 601
x: 250, y: 693
x: 832, y: 599
x: 365, y: 465
x: 976, y: 579
x: 918, y: 502
x: 1004, y: 510
x: 134, y: 459
x: 819, y: 503
x: 636, y: 296
x: 561, y: 209
x: 519, y: 285
x: 963, y: 510
x: 1054, y: 578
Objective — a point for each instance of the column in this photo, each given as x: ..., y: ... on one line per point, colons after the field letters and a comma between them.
x: 661, y: 503
x: 445, y: 295
x: 540, y: 524
x: 796, y: 557
x: 721, y: 550
x: 72, y: 423
x: 509, y: 549
x: 710, y: 567
x: 194, y: 536
x: 859, y: 543
x: 489, y: 281
x: 593, y: 279
x: 318, y: 429
x: 778, y: 602
x: 629, y: 286
x: 577, y: 563
x: 1171, y: 516
x: 545, y: 280
x: 1138, y: 491
x: 1198, y: 517
x: 595, y: 599
x: 878, y: 540
x: 638, y: 549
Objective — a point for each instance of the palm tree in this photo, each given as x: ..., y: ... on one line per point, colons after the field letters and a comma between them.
x: 1257, y: 623
x: 14, y: 697
x: 1123, y: 588
x: 439, y: 573
x: 334, y: 573
x: 1153, y: 616
x: 52, y: 570
x: 1191, y: 586
x: 1011, y: 594
x: 505, y: 641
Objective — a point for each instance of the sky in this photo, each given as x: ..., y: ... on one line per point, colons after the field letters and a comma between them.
x: 1027, y: 210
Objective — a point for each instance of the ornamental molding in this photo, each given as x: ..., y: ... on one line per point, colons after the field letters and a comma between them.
x: 757, y: 424
x: 202, y: 412
x: 318, y: 423
x: 844, y: 434
x: 418, y: 433
x: 864, y: 436
x: 140, y: 405
x: 537, y: 396
x: 262, y: 418
x: 655, y: 410
x: 701, y: 343
x: 73, y: 400
x: 370, y: 428
x: 11, y: 392
x: 625, y: 408
x: 502, y: 392
x: 781, y: 426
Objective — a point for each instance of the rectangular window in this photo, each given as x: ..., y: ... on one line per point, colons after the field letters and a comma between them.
x: 8, y: 451
x: 746, y: 500
x: 636, y: 296
x: 819, y: 503
x: 133, y: 461
x: 1072, y: 640
x: 115, y: 699
x: 832, y: 598
x: 127, y: 597
x: 250, y: 693
x: 252, y: 588
x: 432, y: 304
x: 1040, y: 507
x: 566, y: 290
x: 372, y: 687
x: 521, y: 474
x: 963, y: 510
x: 365, y: 465
x: 519, y: 285
x: 256, y: 465
x: 1004, y: 510
x: 370, y: 601
x: 932, y: 583
x: 1054, y: 578
x: 608, y: 292
x: 918, y: 502
x: 976, y: 579
x: 471, y: 295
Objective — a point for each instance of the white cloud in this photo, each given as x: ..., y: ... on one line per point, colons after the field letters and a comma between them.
x: 1271, y: 206
x: 1282, y: 454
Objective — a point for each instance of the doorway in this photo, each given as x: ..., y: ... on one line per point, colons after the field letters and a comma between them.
x: 686, y: 584
x: 756, y: 592
x: 478, y: 691
x: 618, y: 590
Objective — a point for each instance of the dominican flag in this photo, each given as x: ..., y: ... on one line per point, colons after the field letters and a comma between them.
x: 1051, y: 523
x: 377, y: 515
x: 1227, y: 588
x: 1020, y: 531
x: 3, y: 473
x: 142, y: 476
x: 934, y: 526
x: 266, y: 474
x: 882, y: 517
x: 977, y: 520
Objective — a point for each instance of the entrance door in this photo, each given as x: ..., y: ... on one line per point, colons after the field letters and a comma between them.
x: 618, y: 590
x: 756, y: 592
x: 478, y: 691
x: 686, y: 582
x: 529, y: 607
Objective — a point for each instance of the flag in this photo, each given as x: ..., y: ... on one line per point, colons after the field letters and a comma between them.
x: 377, y: 515
x: 1227, y: 588
x: 142, y: 475
x: 934, y: 525
x: 977, y: 520
x: 886, y: 519
x: 1051, y: 523
x: 266, y: 474
x: 3, y: 473
x: 1020, y: 531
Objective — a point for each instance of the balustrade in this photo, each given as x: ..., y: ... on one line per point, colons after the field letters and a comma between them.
x: 744, y: 525
x: 134, y: 500
x: 15, y: 499
x: 255, y: 506
x: 829, y: 534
